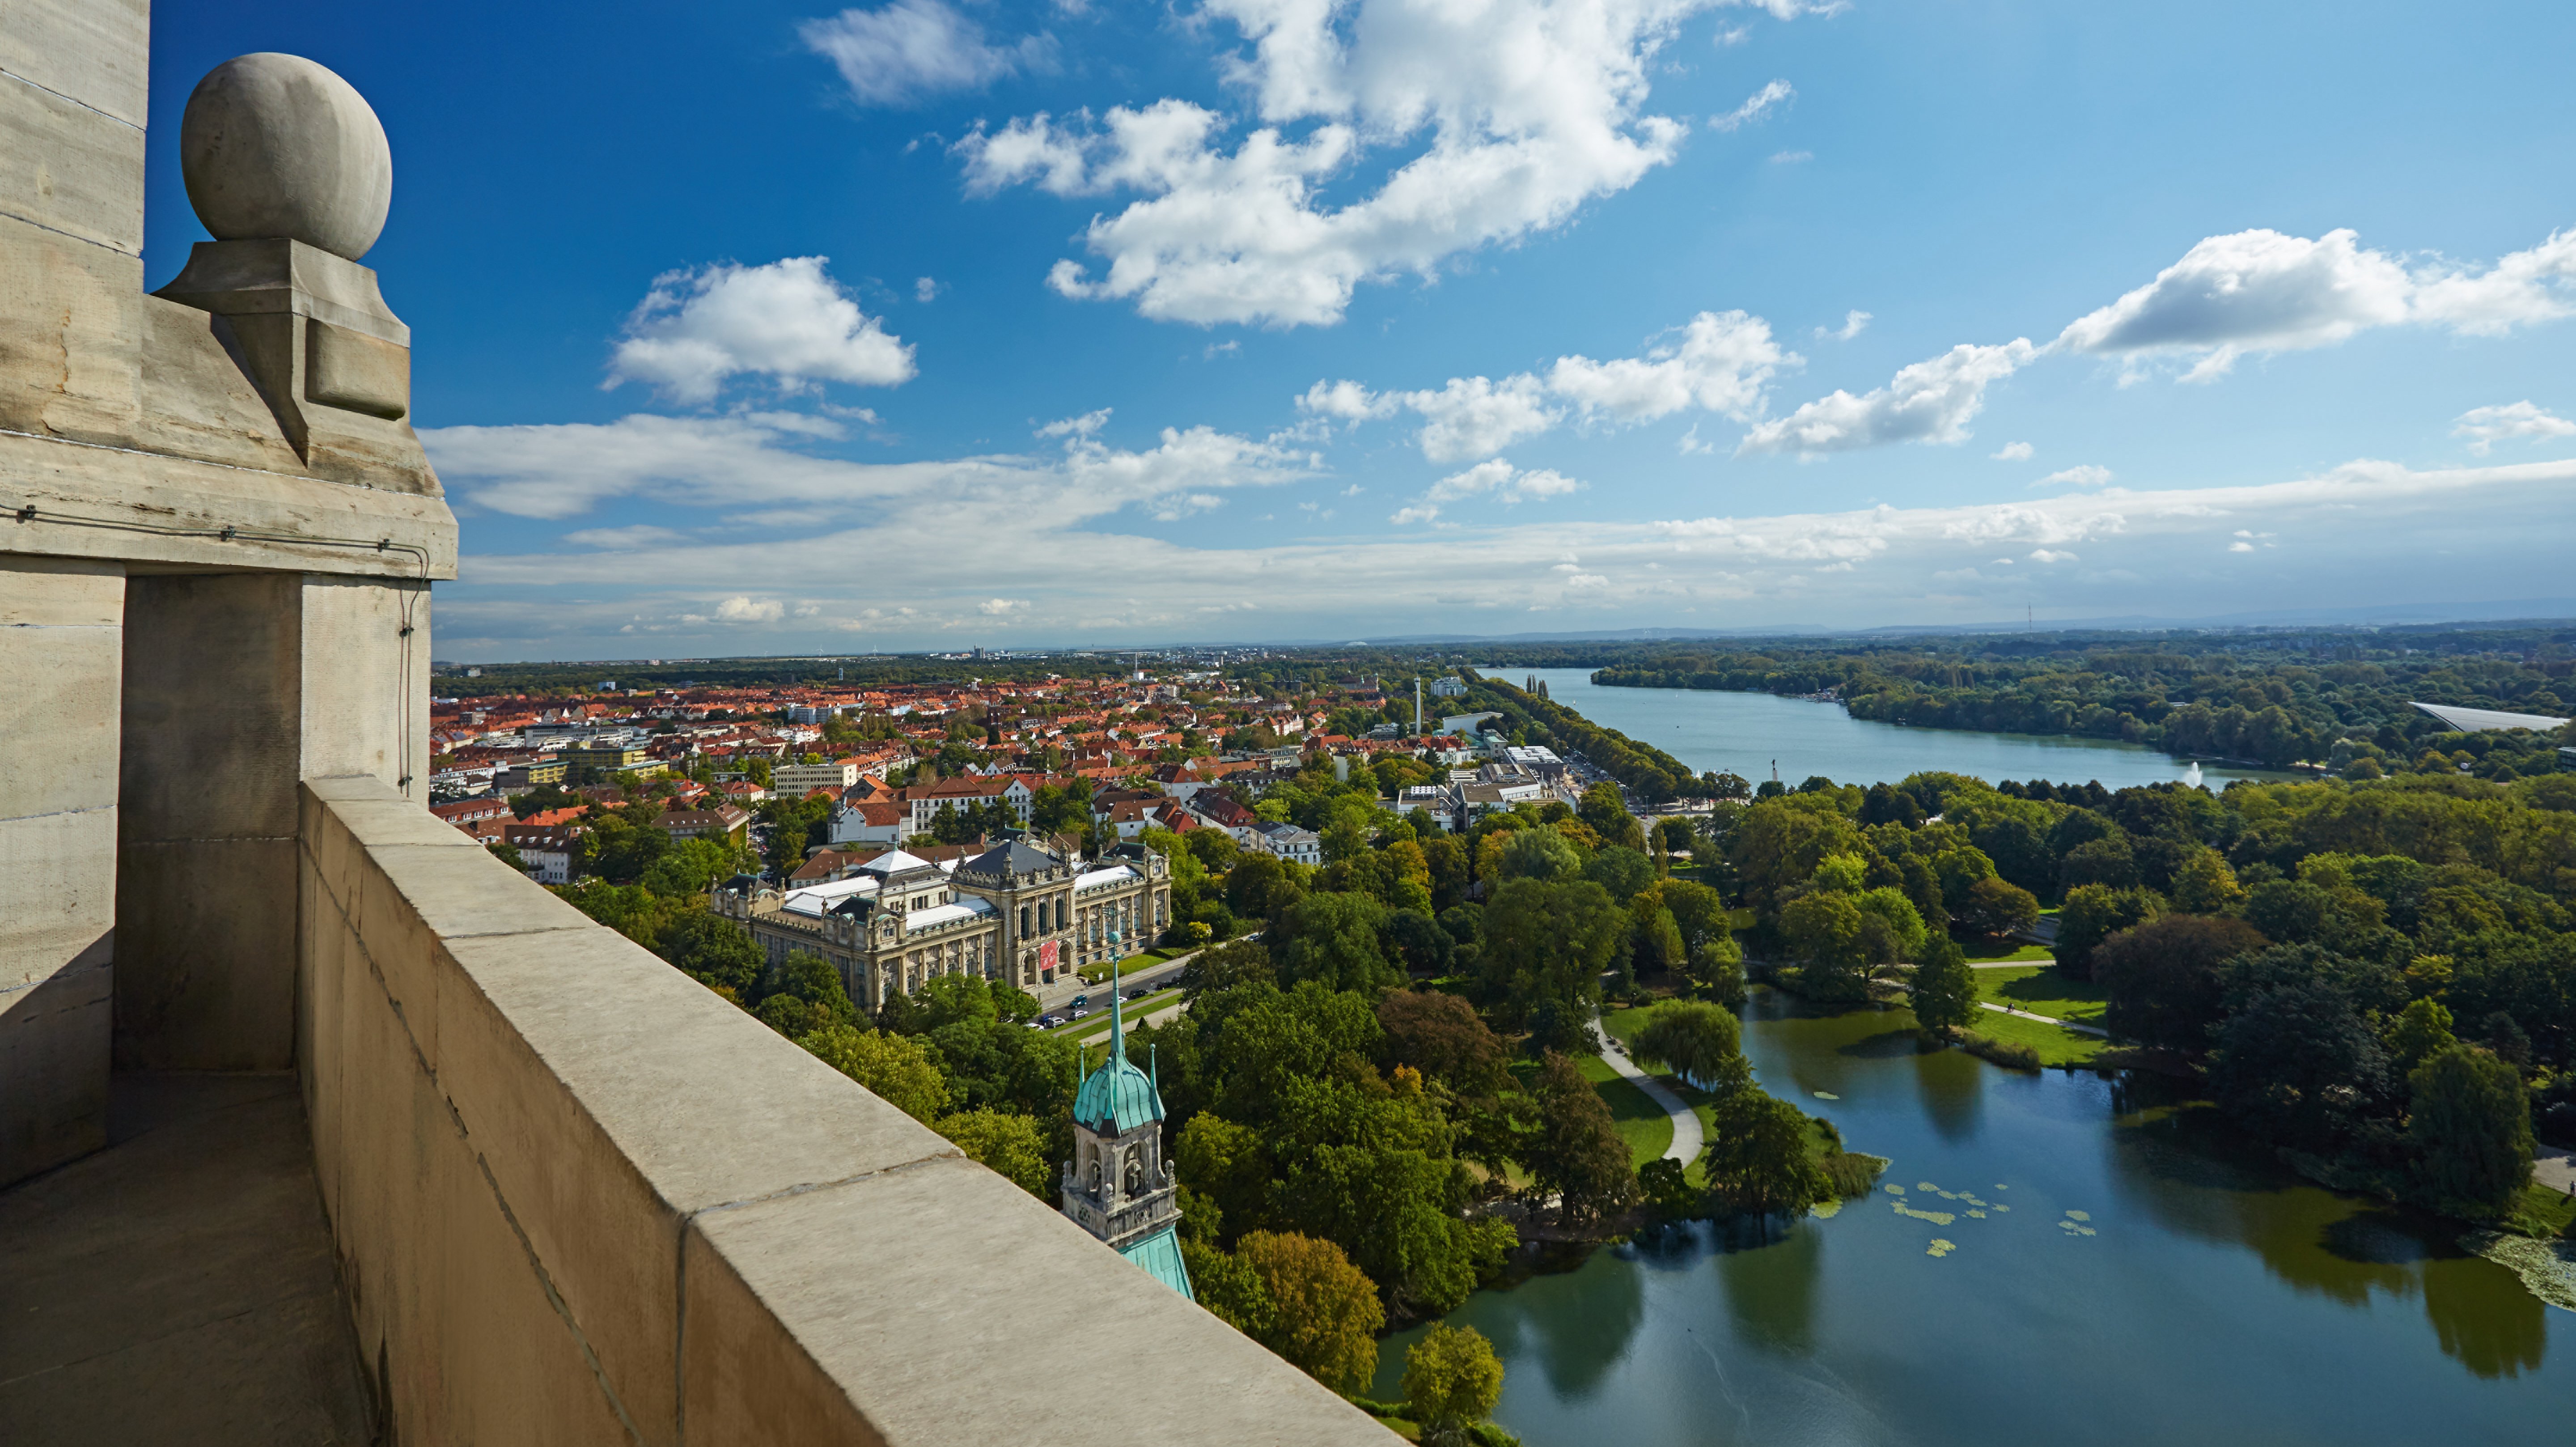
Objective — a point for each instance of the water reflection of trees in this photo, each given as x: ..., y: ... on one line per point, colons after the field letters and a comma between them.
x: 1575, y: 1326
x: 2196, y: 1176
x: 1770, y: 1276
x: 1951, y: 1085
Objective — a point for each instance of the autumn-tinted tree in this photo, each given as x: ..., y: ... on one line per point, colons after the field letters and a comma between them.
x: 1576, y: 1154
x: 1441, y: 1035
x: 1327, y: 1315
x: 1451, y: 1377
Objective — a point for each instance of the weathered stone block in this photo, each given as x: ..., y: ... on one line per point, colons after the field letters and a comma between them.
x: 94, y: 51
x: 213, y: 671
x: 57, y: 891
x: 53, y: 1065
x: 70, y: 168
x: 71, y: 336
x: 205, y: 960
x: 788, y: 1339
x: 198, y: 393
x: 365, y: 694
x: 356, y: 372
x: 60, y: 654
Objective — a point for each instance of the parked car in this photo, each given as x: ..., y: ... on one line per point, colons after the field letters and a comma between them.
x: 1050, y: 1020
x: 1078, y: 1014
x: 1140, y: 992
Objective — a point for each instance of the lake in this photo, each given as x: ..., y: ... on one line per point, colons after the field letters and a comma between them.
x: 2201, y: 1296
x: 1745, y: 733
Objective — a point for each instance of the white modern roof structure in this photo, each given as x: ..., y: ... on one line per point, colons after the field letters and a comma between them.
x: 2486, y: 720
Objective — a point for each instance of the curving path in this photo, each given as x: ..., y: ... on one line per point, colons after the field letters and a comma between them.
x: 1686, y: 1132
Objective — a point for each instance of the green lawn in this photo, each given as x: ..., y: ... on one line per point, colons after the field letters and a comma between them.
x: 1990, y: 951
x: 2041, y: 990
x: 1640, y: 1122
x: 2056, y: 1044
x: 1623, y: 1025
x: 1094, y: 974
x: 2545, y: 1213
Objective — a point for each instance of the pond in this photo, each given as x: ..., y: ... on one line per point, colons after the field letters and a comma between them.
x: 2138, y: 1276
x: 1746, y: 733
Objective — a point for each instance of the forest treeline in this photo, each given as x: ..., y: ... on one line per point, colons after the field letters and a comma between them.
x: 2266, y: 700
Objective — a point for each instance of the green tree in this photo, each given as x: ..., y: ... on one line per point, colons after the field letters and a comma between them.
x: 1606, y: 813
x: 1012, y: 1146
x: 2162, y: 979
x: 1576, y: 1154
x: 1945, y: 988
x: 1549, y: 942
x: 2417, y: 1033
x: 1621, y: 870
x: 714, y: 951
x: 1231, y: 1289
x: 1541, y: 854
x: 1451, y: 1377
x: 1825, y: 931
x: 1333, y: 938
x: 1327, y: 1314
x: 1700, y: 1042
x: 1757, y: 1158
x: 2093, y: 913
x: 898, y: 1069
x: 1667, y: 1190
x: 2205, y: 885
x: 2471, y: 1120
x: 1997, y: 906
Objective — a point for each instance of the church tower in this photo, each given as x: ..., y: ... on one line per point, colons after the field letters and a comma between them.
x: 1117, y: 1186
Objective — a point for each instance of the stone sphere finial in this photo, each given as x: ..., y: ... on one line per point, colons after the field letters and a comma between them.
x: 279, y: 146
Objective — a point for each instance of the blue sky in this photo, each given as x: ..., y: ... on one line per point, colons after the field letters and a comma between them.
x: 761, y: 328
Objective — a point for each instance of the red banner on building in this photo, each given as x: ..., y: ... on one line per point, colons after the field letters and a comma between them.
x: 1047, y: 955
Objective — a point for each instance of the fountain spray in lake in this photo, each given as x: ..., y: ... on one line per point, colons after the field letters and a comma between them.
x: 2191, y: 776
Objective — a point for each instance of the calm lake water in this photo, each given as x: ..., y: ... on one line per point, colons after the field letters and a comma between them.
x: 1745, y: 732
x: 2203, y: 1297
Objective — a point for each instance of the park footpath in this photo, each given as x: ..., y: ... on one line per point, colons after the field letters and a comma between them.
x: 1686, y: 1133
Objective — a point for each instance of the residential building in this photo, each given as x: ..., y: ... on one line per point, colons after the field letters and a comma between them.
x: 543, y: 770
x: 1304, y: 846
x: 1451, y: 687
x: 724, y: 822
x: 795, y: 781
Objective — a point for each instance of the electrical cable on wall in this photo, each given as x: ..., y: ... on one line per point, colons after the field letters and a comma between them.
x: 411, y: 594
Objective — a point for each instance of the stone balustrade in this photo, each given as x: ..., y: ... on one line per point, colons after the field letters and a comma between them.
x: 578, y: 1198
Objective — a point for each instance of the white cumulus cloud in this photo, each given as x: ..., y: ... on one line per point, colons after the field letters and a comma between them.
x: 750, y: 610
x: 1499, y: 119
x: 2081, y: 475
x: 2262, y: 291
x: 787, y: 320
x: 1494, y: 476
x: 2012, y: 452
x: 1721, y: 362
x: 2484, y: 427
x: 914, y: 49
x: 1930, y: 401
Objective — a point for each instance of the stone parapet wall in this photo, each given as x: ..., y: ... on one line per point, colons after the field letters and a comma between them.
x: 577, y: 1197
